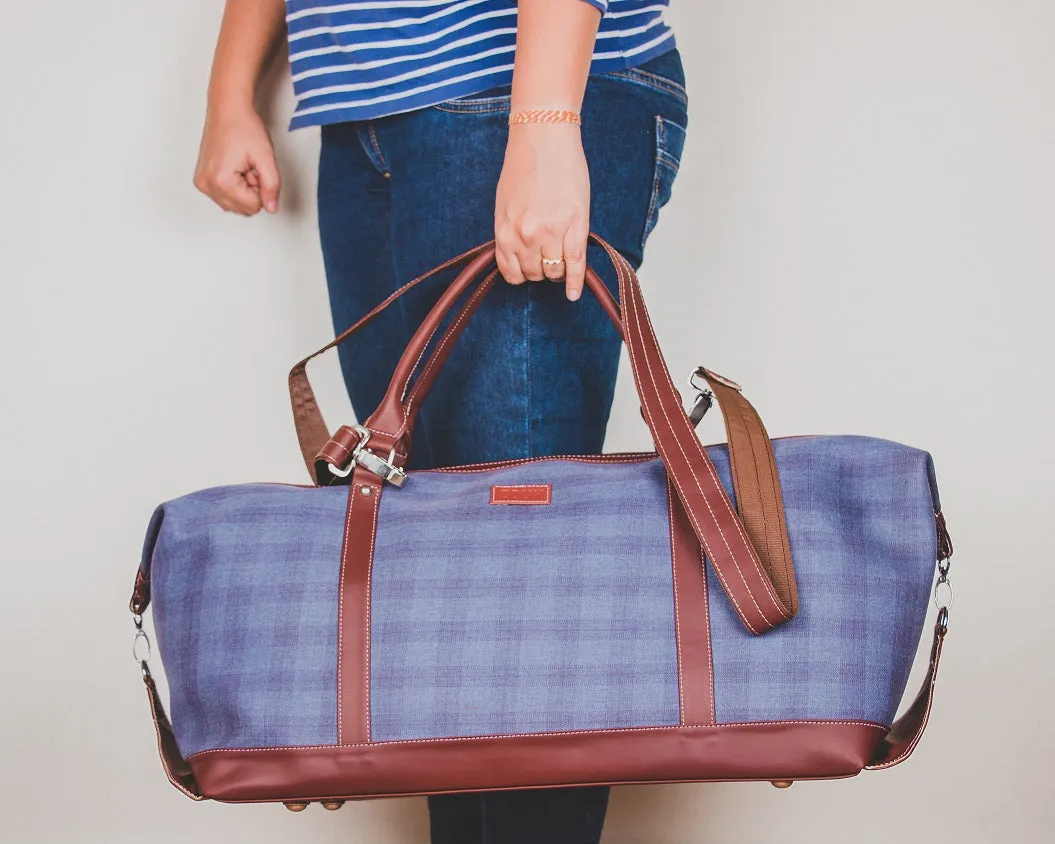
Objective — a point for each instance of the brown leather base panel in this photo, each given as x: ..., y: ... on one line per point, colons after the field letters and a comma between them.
x: 769, y: 751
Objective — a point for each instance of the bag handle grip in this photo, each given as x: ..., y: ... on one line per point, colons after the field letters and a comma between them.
x: 755, y: 481
x: 760, y: 604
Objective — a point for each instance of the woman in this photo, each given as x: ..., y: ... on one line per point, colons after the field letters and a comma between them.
x: 445, y: 124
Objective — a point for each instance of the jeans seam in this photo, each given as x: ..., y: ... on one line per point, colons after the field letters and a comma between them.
x: 649, y: 223
x: 490, y: 105
x: 654, y: 81
x: 377, y: 155
x: 528, y: 418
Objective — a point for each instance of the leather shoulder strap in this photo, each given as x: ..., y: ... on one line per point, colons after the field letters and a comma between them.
x: 756, y: 483
x: 312, y: 433
x: 907, y: 731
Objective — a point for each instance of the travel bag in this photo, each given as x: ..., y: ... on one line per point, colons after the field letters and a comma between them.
x: 748, y: 611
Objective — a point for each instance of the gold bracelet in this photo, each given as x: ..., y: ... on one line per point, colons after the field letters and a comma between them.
x: 545, y: 115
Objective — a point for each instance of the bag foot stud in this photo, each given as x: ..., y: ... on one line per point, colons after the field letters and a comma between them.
x: 296, y: 807
x: 332, y: 805
x: 783, y: 783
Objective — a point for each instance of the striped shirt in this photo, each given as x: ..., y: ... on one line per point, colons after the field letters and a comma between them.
x: 369, y: 58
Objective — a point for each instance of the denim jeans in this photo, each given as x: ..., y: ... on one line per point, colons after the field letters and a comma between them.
x: 533, y: 374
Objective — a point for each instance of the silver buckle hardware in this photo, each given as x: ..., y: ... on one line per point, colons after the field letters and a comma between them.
x: 704, y: 398
x: 363, y: 456
x: 702, y: 371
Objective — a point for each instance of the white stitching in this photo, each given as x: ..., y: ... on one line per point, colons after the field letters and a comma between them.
x: 677, y: 613
x: 702, y: 538
x: 655, y: 384
x: 340, y: 608
x: 376, y: 503
x: 728, y: 507
x: 446, y: 739
x: 707, y: 615
x: 624, y: 277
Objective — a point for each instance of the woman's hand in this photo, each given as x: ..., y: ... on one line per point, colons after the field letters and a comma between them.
x: 236, y: 163
x: 542, y: 207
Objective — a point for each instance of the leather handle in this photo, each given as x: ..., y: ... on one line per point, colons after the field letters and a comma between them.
x: 759, y: 500
x: 390, y: 424
x: 746, y: 580
x: 312, y: 433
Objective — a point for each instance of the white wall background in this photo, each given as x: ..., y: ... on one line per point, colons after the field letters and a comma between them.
x: 863, y: 234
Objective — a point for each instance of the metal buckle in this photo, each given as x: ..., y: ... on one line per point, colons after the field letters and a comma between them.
x: 704, y: 372
x: 704, y: 398
x: 363, y: 456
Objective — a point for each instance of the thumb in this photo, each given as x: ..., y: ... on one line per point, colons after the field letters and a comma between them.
x: 270, y: 182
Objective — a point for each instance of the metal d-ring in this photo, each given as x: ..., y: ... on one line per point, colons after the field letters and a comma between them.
x: 387, y: 470
x: 364, y: 438
x: 140, y: 652
x: 946, y: 605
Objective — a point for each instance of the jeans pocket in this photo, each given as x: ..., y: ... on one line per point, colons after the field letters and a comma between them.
x: 490, y: 101
x: 670, y: 141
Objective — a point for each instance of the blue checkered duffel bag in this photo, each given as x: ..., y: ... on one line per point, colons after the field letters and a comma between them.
x: 748, y: 611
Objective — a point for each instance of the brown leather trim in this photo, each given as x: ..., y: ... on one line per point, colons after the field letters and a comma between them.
x: 692, y: 623
x: 312, y: 432
x: 758, y: 603
x: 770, y: 751
x: 907, y: 731
x: 788, y: 751
x: 521, y: 494
x: 176, y: 769
x: 353, y: 612
x: 714, y: 521
x: 389, y: 422
x: 140, y: 592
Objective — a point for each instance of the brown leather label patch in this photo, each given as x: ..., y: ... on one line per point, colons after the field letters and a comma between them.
x: 522, y: 494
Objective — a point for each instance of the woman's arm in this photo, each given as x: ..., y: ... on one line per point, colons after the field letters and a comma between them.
x: 236, y: 163
x: 543, y: 200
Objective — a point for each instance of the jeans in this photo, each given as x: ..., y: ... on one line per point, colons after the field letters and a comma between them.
x: 533, y: 374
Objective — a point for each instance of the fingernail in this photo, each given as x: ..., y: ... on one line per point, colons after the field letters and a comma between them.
x: 271, y: 206
x: 574, y: 293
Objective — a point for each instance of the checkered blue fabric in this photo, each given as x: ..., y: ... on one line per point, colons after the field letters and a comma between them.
x: 489, y: 619
x: 244, y: 592
x: 861, y: 525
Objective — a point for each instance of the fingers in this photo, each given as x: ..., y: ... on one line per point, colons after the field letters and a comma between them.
x: 508, y: 264
x: 233, y: 192
x: 529, y: 250
x: 236, y: 165
x: 270, y: 182
x: 520, y: 254
x: 552, y: 250
x: 575, y: 259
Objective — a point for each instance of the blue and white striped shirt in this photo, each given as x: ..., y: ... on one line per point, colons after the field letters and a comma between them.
x: 369, y: 58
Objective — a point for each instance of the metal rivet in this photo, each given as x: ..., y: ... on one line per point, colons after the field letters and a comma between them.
x: 332, y: 805
x: 365, y: 490
x: 296, y: 807
x: 783, y: 783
